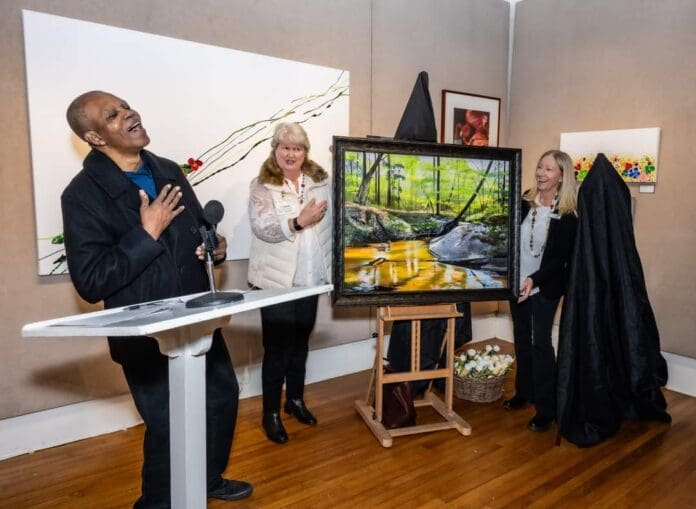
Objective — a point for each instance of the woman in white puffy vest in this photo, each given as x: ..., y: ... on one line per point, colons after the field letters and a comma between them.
x: 291, y: 246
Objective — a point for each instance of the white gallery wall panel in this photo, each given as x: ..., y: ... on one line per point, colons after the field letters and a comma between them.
x: 197, y: 101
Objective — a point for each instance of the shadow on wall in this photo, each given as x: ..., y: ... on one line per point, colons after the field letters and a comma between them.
x: 244, y: 343
x: 334, y: 326
x: 88, y: 377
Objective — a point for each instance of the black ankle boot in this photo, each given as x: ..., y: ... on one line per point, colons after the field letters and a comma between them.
x: 297, y: 408
x: 540, y: 423
x: 273, y: 427
x: 515, y: 403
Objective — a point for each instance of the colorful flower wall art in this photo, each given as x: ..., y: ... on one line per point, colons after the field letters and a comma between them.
x: 633, y: 152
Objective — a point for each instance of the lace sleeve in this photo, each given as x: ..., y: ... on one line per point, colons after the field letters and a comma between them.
x: 265, y: 222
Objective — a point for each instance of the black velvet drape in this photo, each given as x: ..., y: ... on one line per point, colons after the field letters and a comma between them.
x: 609, y: 363
x: 418, y: 121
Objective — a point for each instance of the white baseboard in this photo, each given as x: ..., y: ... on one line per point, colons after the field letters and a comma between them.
x: 57, y: 426
x: 349, y: 358
x: 62, y: 425
x: 484, y: 327
x: 503, y: 329
x: 322, y: 364
x: 681, y: 370
x: 682, y: 373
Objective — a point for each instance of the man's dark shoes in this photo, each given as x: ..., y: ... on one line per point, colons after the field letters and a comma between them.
x: 231, y: 490
x: 540, y: 423
x: 515, y: 403
x: 297, y: 408
x: 273, y: 427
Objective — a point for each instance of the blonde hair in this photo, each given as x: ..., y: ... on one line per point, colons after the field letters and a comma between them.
x: 568, y: 189
x: 292, y: 132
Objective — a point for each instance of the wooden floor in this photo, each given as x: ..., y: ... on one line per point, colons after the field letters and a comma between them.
x: 339, y: 464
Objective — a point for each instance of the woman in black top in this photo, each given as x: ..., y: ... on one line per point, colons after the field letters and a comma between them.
x: 547, y: 234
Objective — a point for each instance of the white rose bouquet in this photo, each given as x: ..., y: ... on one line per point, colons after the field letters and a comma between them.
x: 482, y: 364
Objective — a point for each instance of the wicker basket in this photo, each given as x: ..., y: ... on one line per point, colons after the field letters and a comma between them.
x: 480, y: 390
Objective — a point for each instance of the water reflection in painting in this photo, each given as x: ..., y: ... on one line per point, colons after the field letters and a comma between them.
x: 408, y: 266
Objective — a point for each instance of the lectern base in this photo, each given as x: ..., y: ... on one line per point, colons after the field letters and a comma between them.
x: 214, y: 299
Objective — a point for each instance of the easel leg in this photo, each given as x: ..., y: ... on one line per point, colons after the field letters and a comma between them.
x: 373, y: 415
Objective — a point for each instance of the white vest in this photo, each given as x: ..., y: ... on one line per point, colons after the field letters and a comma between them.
x: 273, y: 264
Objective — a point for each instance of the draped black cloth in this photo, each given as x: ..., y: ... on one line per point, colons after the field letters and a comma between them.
x: 418, y: 124
x: 609, y: 362
x: 418, y: 121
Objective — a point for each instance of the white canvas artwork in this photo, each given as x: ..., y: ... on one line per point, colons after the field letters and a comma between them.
x: 197, y: 101
x: 632, y: 152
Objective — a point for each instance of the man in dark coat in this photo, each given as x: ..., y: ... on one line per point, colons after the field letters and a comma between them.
x: 609, y: 363
x: 131, y: 224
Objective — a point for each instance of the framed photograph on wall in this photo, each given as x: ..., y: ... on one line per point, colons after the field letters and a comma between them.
x: 420, y: 223
x: 469, y: 119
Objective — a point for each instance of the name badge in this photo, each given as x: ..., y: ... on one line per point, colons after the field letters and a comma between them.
x: 286, y: 206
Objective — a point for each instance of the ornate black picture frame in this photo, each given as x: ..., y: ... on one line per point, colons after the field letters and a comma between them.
x: 419, y: 223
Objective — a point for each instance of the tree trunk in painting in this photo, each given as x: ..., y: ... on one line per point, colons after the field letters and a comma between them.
x: 389, y: 182
x: 437, y: 185
x: 361, y: 196
x: 471, y: 199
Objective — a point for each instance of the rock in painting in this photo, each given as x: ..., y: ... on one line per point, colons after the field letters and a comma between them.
x: 466, y: 243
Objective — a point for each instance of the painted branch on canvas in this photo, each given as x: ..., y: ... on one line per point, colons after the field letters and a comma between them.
x: 210, y: 109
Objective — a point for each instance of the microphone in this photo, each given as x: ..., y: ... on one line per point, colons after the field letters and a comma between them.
x: 212, y: 213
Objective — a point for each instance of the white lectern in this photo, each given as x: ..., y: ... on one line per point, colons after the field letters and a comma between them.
x: 184, y: 335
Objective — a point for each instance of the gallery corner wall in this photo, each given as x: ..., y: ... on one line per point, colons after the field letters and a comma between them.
x: 597, y: 65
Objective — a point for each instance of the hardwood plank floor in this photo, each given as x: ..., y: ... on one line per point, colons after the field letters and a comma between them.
x: 339, y: 464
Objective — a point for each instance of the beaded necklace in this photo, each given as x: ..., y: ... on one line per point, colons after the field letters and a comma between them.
x: 302, y: 188
x: 553, y: 206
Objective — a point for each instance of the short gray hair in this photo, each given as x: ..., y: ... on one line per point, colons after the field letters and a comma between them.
x: 77, y: 119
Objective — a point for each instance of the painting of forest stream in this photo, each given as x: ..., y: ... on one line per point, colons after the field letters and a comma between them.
x: 421, y: 222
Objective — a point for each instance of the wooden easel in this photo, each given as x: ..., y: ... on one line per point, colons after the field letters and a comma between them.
x: 372, y: 415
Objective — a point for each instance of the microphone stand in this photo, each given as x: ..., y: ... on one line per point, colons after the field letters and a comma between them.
x: 209, y: 264
x: 213, y: 298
